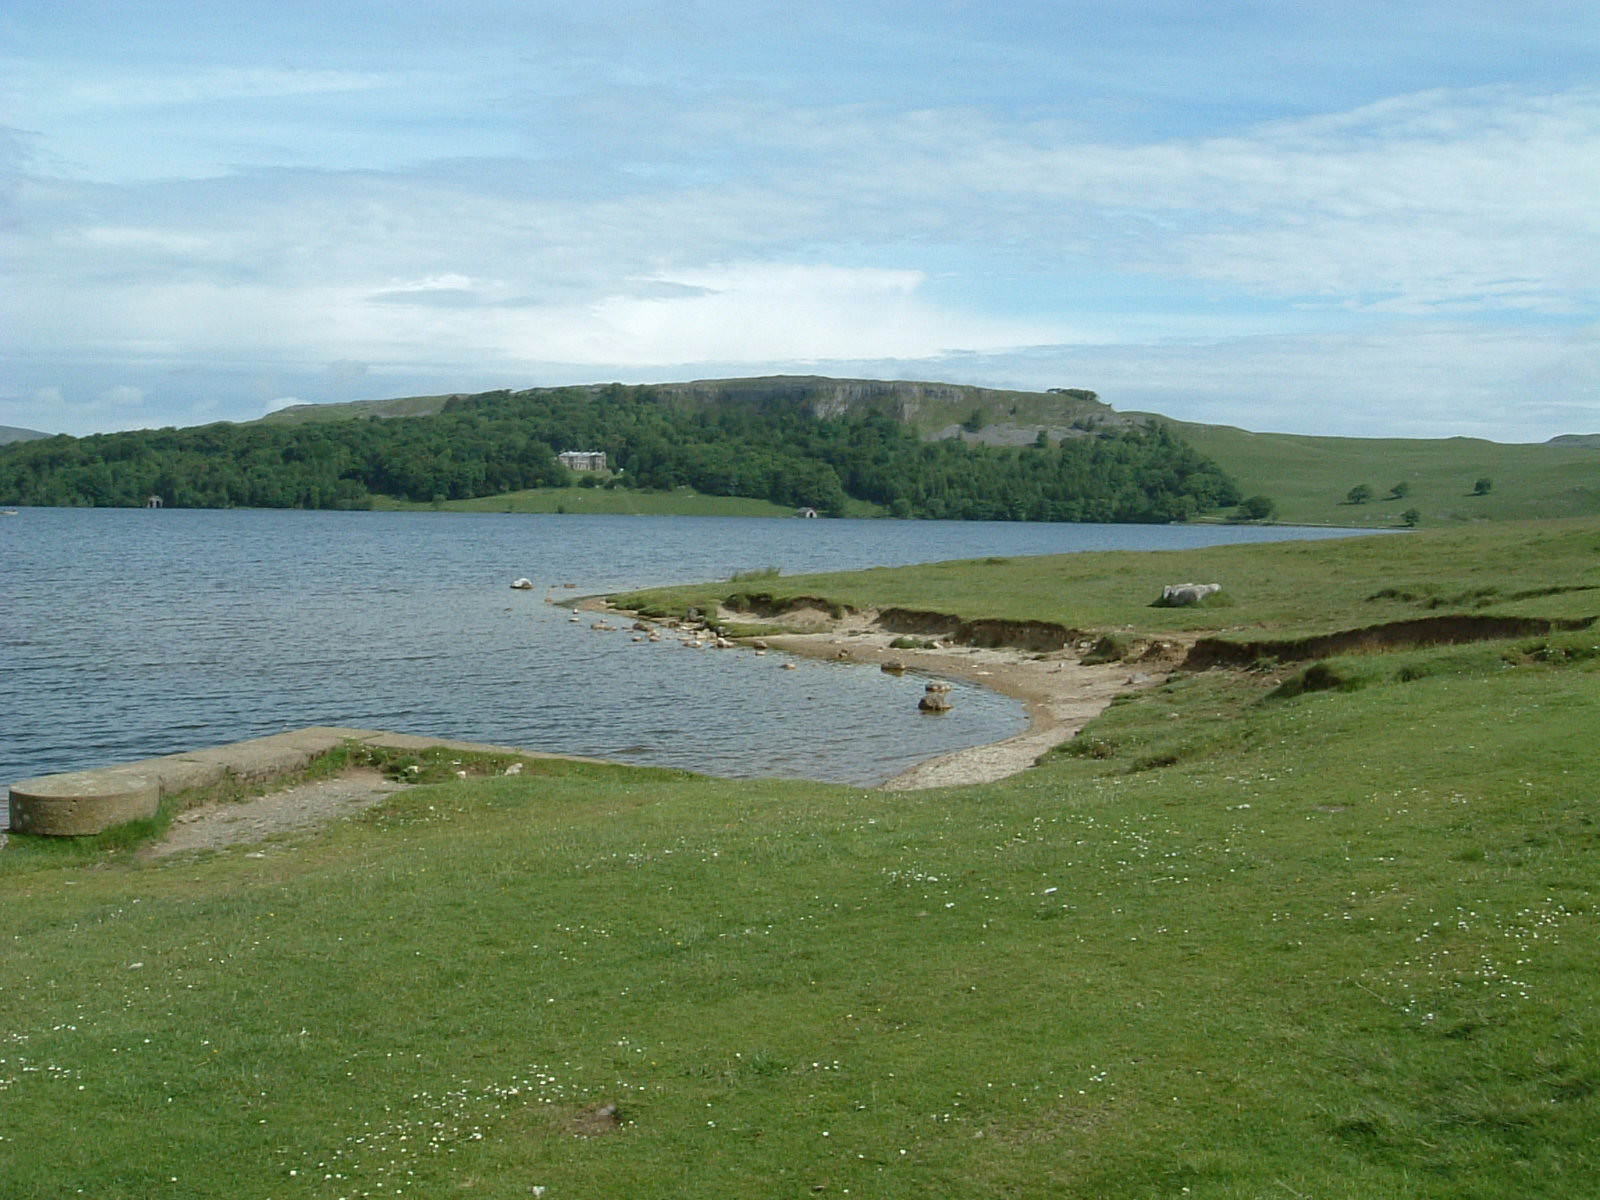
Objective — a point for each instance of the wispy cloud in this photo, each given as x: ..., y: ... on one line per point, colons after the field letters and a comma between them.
x: 39, y: 90
x: 606, y: 206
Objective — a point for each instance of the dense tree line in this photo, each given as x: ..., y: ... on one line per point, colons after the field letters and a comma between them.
x: 772, y: 448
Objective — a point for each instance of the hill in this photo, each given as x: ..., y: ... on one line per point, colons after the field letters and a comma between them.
x: 1446, y: 480
x: 933, y: 410
x: 1308, y: 478
x: 828, y: 445
x: 10, y: 433
x: 460, y: 450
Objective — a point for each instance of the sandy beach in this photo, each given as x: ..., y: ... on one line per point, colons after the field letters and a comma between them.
x: 1060, y: 692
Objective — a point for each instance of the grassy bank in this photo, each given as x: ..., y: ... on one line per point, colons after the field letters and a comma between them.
x: 1547, y: 569
x: 1234, y: 942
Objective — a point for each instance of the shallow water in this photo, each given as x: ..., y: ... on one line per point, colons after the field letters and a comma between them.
x: 130, y: 633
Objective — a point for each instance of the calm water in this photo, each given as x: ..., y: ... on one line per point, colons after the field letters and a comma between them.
x: 128, y: 633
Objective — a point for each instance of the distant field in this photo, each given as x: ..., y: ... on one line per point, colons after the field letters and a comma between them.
x: 1309, y: 477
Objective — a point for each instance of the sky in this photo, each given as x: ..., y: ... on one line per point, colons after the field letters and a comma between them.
x: 1371, y: 218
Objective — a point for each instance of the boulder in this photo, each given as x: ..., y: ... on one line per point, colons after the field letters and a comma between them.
x: 1181, y: 595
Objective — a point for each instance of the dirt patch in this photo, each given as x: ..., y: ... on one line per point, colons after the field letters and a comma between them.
x: 220, y: 824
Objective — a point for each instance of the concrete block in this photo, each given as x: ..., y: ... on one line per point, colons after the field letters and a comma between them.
x: 83, y: 802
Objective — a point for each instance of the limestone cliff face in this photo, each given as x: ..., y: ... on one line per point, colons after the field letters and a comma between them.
x: 934, y: 410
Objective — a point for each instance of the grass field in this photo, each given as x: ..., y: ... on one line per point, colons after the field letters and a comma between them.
x: 1547, y: 569
x: 1232, y: 942
x: 1309, y: 478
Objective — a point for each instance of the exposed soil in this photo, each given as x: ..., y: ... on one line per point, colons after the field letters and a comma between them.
x: 1448, y: 629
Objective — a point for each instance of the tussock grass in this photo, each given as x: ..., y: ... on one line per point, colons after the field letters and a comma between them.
x: 1337, y: 944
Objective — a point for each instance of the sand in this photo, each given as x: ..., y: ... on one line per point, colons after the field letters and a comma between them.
x: 1060, y: 692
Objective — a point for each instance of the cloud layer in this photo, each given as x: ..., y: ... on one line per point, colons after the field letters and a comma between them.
x: 1276, y: 268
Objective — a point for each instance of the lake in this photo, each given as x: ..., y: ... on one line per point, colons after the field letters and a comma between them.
x: 126, y: 633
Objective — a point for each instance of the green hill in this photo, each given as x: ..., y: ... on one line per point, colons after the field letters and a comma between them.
x: 11, y: 433
x: 933, y: 410
x: 829, y: 445
x: 758, y: 439
x: 1310, y: 478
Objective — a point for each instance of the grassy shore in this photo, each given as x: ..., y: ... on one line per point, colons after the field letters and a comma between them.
x: 1547, y: 568
x: 1240, y: 939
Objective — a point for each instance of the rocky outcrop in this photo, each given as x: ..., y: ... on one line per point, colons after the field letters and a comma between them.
x: 1182, y: 595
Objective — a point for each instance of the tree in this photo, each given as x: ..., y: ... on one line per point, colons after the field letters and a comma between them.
x: 1359, y: 494
x: 1410, y: 517
x: 1400, y: 490
x: 1483, y: 487
x: 1255, y: 508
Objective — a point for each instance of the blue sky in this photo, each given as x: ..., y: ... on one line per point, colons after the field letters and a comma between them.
x: 1362, y: 219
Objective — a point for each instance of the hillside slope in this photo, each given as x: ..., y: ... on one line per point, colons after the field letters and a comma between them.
x: 11, y: 433
x: 1310, y: 478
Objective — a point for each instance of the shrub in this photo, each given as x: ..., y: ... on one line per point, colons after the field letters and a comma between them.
x: 1255, y: 508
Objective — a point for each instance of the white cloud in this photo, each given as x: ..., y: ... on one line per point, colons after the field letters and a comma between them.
x: 39, y: 91
x: 122, y: 395
x: 743, y: 233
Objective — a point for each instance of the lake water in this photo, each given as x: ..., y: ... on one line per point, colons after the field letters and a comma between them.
x: 130, y: 633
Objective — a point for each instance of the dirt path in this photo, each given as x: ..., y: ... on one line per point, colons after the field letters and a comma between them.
x: 305, y: 806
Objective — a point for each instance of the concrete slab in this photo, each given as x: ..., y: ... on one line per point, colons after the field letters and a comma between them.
x: 85, y: 802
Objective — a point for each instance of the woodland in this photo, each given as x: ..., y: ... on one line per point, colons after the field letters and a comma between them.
x: 774, y: 448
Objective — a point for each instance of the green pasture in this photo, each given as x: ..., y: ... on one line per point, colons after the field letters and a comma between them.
x: 1240, y: 939
x: 1549, y: 569
x: 1310, y: 478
